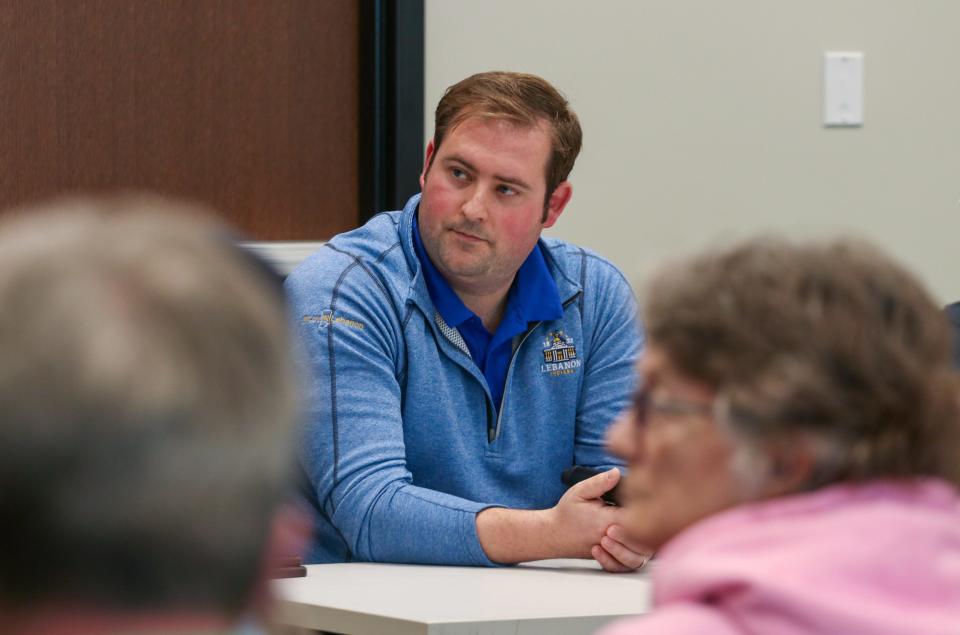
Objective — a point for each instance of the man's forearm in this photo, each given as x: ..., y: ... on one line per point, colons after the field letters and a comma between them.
x: 569, y: 529
x: 517, y: 535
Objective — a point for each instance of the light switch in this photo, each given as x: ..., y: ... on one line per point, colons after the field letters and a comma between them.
x: 843, y: 88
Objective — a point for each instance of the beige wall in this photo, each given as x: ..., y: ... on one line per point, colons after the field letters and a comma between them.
x: 703, y: 118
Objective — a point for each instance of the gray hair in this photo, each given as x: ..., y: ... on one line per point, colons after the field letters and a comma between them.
x: 831, y: 345
x: 147, y: 404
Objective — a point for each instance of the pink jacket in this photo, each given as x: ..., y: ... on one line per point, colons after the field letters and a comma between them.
x: 876, y: 559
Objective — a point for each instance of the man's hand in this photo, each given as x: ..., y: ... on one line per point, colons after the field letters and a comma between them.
x: 614, y: 551
x: 580, y: 519
x: 575, y: 527
x: 617, y: 553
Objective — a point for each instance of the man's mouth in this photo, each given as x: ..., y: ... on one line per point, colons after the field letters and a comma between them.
x: 468, y: 236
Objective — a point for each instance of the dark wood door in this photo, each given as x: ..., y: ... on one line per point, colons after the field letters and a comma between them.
x: 250, y: 106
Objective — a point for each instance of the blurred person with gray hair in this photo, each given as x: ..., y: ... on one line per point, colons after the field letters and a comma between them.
x: 795, y: 447
x: 147, y: 406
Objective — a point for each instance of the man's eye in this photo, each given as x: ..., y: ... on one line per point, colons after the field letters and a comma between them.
x: 506, y: 190
x: 458, y: 174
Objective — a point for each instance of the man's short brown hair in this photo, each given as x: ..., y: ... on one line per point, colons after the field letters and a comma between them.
x: 832, y: 342
x: 523, y: 99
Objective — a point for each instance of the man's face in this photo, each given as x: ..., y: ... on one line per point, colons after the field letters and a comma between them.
x: 680, y: 462
x: 482, y: 208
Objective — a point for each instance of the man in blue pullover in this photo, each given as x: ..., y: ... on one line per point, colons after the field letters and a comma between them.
x: 458, y: 362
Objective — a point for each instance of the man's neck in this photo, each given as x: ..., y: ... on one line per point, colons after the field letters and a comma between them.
x: 488, y: 303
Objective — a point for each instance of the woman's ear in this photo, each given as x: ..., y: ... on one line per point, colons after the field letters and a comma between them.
x: 791, y: 463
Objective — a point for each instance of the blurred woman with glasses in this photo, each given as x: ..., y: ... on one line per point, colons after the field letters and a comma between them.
x: 794, y: 447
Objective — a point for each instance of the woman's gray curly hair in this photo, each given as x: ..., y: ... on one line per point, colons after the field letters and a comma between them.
x: 832, y: 343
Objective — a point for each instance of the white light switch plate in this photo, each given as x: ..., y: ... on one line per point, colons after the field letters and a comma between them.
x: 843, y: 88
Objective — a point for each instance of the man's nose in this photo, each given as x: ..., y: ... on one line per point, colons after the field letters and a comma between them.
x: 475, y: 207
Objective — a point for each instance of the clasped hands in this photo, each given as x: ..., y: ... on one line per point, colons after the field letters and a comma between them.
x: 594, y: 528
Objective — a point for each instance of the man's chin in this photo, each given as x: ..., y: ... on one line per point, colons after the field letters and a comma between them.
x: 465, y: 268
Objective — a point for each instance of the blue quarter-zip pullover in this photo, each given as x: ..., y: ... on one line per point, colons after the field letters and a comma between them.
x: 396, y: 451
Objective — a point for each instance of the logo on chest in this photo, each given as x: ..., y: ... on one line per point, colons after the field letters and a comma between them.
x: 559, y: 355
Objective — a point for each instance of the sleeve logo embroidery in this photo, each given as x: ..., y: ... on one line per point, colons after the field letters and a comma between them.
x: 559, y: 355
x: 326, y: 318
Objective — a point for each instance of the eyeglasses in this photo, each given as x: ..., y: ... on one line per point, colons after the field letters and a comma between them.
x: 646, y: 406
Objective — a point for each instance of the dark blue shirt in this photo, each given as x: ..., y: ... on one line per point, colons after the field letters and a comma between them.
x: 533, y: 297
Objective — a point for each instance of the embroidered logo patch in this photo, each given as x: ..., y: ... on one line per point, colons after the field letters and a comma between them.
x: 326, y: 318
x: 559, y: 355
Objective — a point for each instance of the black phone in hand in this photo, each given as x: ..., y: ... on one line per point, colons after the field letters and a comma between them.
x: 573, y: 475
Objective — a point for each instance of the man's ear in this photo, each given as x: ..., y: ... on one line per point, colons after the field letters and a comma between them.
x: 557, y: 202
x: 426, y: 163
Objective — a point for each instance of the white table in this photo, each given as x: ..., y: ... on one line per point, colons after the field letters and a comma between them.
x: 559, y: 597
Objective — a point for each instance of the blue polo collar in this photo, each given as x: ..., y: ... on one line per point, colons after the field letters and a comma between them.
x: 533, y: 296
